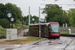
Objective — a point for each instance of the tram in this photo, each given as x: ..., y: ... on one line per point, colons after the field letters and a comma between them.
x: 49, y: 30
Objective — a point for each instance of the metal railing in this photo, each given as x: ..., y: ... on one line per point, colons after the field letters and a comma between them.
x: 20, y: 29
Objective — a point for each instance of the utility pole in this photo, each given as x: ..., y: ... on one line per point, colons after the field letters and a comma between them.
x: 29, y: 15
x: 29, y: 19
x: 39, y: 25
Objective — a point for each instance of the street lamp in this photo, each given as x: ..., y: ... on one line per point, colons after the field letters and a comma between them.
x: 33, y: 20
x: 12, y: 19
x: 9, y: 16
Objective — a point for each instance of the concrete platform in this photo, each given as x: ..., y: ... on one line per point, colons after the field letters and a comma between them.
x: 70, y: 35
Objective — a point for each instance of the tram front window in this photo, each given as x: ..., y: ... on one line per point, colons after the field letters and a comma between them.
x: 54, y: 28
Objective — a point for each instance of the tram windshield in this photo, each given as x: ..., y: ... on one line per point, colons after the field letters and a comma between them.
x: 54, y: 28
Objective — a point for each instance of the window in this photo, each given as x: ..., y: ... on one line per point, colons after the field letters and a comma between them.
x: 54, y: 28
x: 35, y: 30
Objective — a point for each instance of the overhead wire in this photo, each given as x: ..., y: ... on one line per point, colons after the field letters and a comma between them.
x: 66, y: 5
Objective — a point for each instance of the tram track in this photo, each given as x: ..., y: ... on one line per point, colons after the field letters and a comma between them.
x: 39, y: 43
x: 51, y: 42
x: 68, y: 45
x: 63, y: 43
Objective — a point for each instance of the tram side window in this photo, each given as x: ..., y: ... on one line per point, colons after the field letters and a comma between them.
x: 35, y: 30
x: 41, y: 29
x: 45, y: 29
x: 49, y: 28
x: 31, y: 28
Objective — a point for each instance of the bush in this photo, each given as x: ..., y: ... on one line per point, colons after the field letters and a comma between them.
x: 4, y: 23
x: 1, y: 27
x: 2, y: 32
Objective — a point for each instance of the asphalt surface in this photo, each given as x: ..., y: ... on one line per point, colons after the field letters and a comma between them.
x: 64, y: 43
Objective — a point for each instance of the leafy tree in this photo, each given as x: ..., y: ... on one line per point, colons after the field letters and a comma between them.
x: 36, y: 19
x: 55, y: 14
x: 14, y: 10
x: 2, y: 10
x: 72, y: 17
x: 4, y: 22
x: 18, y: 20
x: 26, y: 19
x: 10, y: 8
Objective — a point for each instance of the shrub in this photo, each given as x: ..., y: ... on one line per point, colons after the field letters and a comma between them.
x: 2, y: 32
x: 4, y: 23
x: 1, y: 27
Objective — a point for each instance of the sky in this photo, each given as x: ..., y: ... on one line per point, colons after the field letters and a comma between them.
x: 35, y: 4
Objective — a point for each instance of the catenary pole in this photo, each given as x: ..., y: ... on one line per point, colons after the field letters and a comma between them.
x: 39, y: 25
x: 29, y: 19
x: 29, y: 15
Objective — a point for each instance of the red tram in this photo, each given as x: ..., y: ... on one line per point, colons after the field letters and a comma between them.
x: 50, y: 30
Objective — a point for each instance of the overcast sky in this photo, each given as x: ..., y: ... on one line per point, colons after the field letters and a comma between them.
x: 34, y: 5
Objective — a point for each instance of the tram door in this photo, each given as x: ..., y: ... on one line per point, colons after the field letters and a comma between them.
x: 46, y: 31
x: 35, y: 30
x: 43, y: 30
x: 31, y: 30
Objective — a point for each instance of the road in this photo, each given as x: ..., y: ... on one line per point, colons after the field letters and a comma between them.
x: 64, y: 43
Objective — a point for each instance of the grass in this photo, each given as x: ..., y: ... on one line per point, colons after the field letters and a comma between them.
x: 18, y: 25
x: 22, y: 41
x: 26, y: 27
x: 64, y: 32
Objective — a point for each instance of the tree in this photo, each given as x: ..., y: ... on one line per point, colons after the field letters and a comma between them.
x: 2, y: 10
x: 4, y: 22
x: 14, y: 10
x: 26, y: 19
x: 36, y: 19
x: 72, y: 17
x: 55, y: 14
x: 10, y: 8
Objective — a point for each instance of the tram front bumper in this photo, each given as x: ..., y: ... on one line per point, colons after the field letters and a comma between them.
x: 55, y: 35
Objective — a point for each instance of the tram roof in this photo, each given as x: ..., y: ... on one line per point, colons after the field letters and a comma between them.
x: 46, y: 23
x: 40, y: 23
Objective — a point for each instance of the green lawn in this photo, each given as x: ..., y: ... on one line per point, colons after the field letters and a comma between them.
x: 64, y: 32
